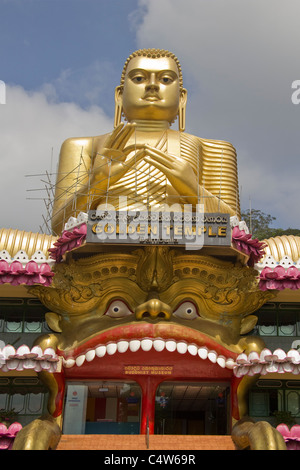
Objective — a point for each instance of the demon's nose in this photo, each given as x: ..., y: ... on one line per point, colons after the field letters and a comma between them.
x: 153, y: 309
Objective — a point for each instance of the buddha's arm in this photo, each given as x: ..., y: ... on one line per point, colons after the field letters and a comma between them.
x: 73, y: 173
x: 184, y: 180
x: 219, y: 172
x: 87, y: 169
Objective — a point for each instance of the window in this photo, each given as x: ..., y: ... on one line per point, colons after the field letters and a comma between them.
x: 278, y: 319
x: 27, y: 396
x: 22, y: 316
x: 270, y: 396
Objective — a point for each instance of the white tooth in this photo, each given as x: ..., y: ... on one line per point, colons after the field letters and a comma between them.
x: 123, y: 346
x: 171, y: 346
x: 202, y: 352
x: 44, y: 365
x: 182, y: 348
x: 37, y: 351
x: 212, y: 356
x: 288, y: 367
x: 146, y: 344
x: 192, y: 349
x: 12, y: 364
x: 70, y: 362
x: 100, y: 351
x: 242, y: 359
x: 111, y: 348
x: 80, y: 360
x: 53, y: 367
x: 22, y: 351
x: 49, y: 353
x: 159, y: 345
x: 38, y: 367
x: 8, y: 351
x: 221, y: 361
x: 230, y: 363
x: 272, y: 368
x: 90, y: 355
x: 134, y: 345
x: 28, y: 364
x: 255, y: 369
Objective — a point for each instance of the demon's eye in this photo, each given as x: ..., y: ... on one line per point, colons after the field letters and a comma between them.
x: 118, y: 309
x: 187, y: 311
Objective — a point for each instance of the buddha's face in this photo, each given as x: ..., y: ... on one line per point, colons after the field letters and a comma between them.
x: 151, y: 89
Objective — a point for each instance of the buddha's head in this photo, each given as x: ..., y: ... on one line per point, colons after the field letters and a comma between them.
x: 151, y: 88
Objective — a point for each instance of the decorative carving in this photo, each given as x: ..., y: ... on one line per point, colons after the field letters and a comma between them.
x: 221, y: 287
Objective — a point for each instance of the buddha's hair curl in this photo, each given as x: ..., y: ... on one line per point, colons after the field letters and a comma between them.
x: 153, y: 54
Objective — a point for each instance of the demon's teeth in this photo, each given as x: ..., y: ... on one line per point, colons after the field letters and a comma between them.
x: 171, y: 346
x: 192, y: 349
x: 90, y: 355
x: 134, y: 345
x: 203, y: 352
x: 230, y: 363
x: 68, y: 363
x: 111, y: 348
x: 212, y: 356
x: 100, y: 351
x: 221, y: 360
x: 147, y: 345
x: 182, y: 347
x: 252, y: 364
x: 158, y: 345
x: 122, y: 346
x: 80, y: 360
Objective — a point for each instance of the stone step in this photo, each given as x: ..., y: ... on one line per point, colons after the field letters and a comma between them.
x: 138, y: 442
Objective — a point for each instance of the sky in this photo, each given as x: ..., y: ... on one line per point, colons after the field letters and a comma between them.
x: 60, y: 61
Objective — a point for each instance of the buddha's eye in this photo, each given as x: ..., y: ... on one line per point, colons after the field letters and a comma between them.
x: 166, y: 80
x: 118, y: 309
x: 138, y: 79
x: 186, y: 311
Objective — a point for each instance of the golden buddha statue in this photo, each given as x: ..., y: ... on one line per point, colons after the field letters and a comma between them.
x: 145, y: 160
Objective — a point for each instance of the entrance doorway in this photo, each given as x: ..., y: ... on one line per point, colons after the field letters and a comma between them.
x: 192, y: 408
x: 102, y: 407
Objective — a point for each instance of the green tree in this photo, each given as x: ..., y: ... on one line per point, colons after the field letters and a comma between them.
x: 259, y: 225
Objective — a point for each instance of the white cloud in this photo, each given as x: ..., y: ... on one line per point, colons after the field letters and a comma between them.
x: 239, y: 62
x: 32, y: 131
x: 86, y: 86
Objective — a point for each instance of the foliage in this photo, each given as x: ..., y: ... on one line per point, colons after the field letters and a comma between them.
x: 259, y: 225
x: 284, y: 417
x: 8, y: 417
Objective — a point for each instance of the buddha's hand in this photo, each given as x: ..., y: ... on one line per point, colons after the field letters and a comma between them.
x: 247, y: 434
x: 178, y: 171
x: 41, y: 434
x: 109, y: 162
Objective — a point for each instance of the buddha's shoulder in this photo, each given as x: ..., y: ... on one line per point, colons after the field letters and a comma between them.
x: 208, y: 143
x: 88, y: 141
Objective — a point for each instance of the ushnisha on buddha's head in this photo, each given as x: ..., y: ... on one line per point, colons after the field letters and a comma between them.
x: 151, y: 88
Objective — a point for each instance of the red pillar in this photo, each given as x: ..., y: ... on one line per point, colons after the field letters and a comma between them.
x: 149, y: 387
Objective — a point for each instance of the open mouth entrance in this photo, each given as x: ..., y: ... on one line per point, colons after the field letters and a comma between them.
x: 116, y: 407
x: 192, y: 408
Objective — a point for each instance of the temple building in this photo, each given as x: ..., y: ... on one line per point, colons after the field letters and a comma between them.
x: 150, y: 309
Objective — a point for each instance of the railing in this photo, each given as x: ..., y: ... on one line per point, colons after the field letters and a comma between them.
x: 147, y: 433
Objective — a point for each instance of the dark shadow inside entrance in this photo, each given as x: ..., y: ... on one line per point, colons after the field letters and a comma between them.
x: 192, y: 408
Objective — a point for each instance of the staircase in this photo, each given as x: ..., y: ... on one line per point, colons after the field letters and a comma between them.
x: 139, y: 442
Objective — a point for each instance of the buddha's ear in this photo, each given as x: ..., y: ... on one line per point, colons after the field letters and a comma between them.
x: 118, y: 105
x: 182, y: 109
